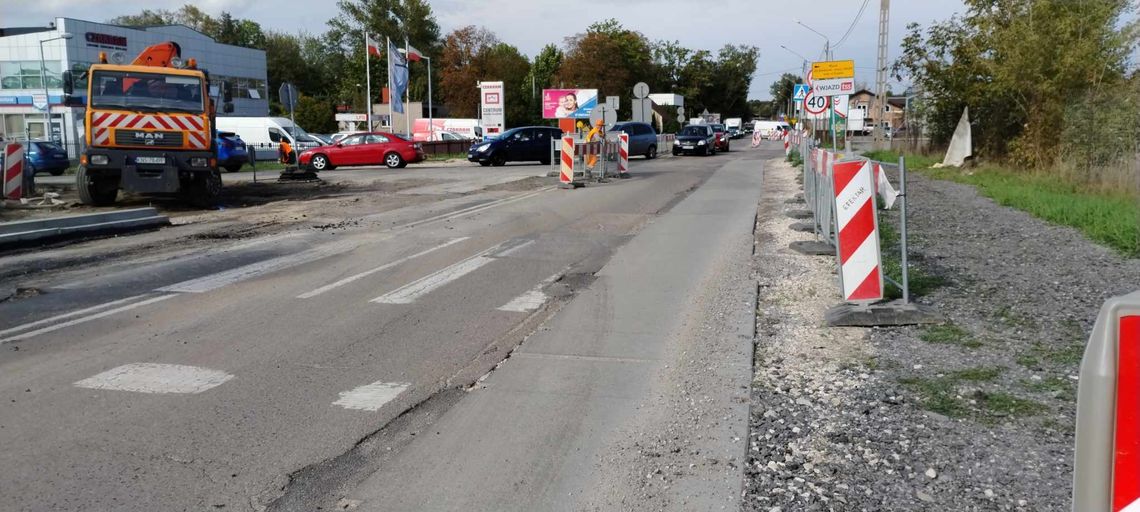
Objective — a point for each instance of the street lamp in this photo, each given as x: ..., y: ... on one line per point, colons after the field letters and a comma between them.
x: 43, y: 80
x: 827, y: 42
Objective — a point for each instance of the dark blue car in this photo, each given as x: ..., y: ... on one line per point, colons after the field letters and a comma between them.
x: 232, y: 153
x: 525, y: 144
x: 48, y: 157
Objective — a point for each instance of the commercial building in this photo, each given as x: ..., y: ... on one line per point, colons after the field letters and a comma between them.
x: 23, y: 71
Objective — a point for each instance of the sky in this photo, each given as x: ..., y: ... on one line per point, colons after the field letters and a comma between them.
x: 531, y: 24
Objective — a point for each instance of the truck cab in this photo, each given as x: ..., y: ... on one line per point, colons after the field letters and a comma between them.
x: 149, y: 127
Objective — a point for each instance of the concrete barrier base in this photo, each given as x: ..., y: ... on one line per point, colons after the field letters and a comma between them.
x: 813, y: 248
x: 803, y: 227
x: 799, y: 214
x: 892, y: 313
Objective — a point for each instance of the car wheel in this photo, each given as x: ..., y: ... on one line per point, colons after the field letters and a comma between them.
x: 651, y: 153
x: 233, y: 167
x: 393, y: 160
x: 498, y: 160
x: 58, y: 172
x: 485, y: 164
x: 319, y: 162
x: 96, y: 190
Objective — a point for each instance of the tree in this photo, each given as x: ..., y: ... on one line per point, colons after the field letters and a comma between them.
x: 1017, y: 64
x: 607, y: 57
x: 461, y: 68
x: 782, y: 90
x: 504, y: 62
x: 314, y: 115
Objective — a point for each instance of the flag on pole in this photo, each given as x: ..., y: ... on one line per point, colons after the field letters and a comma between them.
x: 373, y: 46
x: 398, y: 79
x: 414, y: 55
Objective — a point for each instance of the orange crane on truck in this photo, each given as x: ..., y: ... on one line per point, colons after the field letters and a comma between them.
x: 149, y: 127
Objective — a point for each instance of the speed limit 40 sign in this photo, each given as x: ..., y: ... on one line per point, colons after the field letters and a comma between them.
x: 815, y: 104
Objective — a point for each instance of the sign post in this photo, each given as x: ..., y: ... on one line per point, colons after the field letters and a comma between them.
x: 491, y: 103
x: 288, y: 96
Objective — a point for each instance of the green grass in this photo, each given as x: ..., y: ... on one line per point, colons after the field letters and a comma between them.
x: 1062, y: 388
x: 446, y: 156
x: 1110, y: 219
x: 912, y: 161
x: 795, y: 158
x: 1069, y: 356
x: 940, y: 395
x: 920, y: 282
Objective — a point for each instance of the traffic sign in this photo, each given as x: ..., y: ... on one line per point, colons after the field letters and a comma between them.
x: 39, y: 100
x: 800, y: 92
x: 640, y: 90
x: 287, y: 94
x: 815, y: 104
x: 839, y: 106
x: 833, y: 86
x: 825, y: 70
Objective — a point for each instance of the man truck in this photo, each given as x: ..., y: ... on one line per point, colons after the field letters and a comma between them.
x: 149, y: 127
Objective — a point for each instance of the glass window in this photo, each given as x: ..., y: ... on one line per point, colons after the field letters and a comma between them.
x: 377, y: 139
x: 274, y: 135
x: 151, y: 91
x: 26, y: 74
x: 353, y: 140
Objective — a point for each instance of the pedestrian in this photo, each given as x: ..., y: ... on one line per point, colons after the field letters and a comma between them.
x: 285, y: 153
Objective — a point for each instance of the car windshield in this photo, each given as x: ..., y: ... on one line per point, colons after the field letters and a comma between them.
x: 693, y: 130
x: 146, y: 92
x: 48, y: 146
x: 717, y: 127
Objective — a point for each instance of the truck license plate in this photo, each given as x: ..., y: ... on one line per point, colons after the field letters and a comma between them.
x: 159, y: 160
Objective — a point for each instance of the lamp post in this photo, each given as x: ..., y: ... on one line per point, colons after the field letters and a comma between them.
x: 827, y: 42
x: 43, y: 81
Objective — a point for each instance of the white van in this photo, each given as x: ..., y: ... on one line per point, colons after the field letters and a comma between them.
x: 765, y: 128
x: 265, y: 134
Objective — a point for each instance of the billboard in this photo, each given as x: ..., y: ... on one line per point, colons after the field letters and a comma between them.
x: 568, y: 103
x: 491, y: 101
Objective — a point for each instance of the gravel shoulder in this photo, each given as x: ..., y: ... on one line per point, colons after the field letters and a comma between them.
x: 974, y: 414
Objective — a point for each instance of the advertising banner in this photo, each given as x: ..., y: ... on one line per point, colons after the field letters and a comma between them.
x: 491, y: 101
x: 568, y: 103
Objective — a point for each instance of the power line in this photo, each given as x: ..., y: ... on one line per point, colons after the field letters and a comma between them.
x: 853, y: 23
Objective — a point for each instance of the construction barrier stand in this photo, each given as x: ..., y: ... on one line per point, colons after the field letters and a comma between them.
x: 857, y: 233
x: 13, y: 171
x: 1106, y: 472
x: 566, y: 177
x: 623, y: 155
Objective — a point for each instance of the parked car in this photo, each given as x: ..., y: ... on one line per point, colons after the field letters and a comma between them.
x: 695, y: 139
x: 267, y: 133
x: 44, y: 156
x: 524, y: 144
x: 232, y: 153
x: 721, y: 136
x: 642, y: 138
x: 374, y: 148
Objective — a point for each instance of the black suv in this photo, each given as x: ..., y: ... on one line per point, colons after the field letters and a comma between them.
x: 525, y: 144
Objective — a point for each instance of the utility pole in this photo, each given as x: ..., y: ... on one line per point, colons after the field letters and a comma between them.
x: 881, y: 72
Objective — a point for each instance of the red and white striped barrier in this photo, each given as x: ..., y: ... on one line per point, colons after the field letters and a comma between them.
x: 14, y: 171
x: 623, y: 155
x: 787, y: 143
x: 1107, y: 461
x: 566, y: 176
x: 857, y: 232
x: 588, y: 148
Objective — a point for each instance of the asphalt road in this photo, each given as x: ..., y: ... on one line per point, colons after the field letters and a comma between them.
x: 205, y: 378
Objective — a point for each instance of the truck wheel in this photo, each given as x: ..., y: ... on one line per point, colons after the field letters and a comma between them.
x: 96, y: 190
x: 204, y: 189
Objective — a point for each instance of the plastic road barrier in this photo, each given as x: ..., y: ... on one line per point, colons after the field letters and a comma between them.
x: 1107, y: 463
x: 623, y: 155
x: 787, y: 144
x: 13, y: 171
x: 566, y: 177
x: 857, y: 231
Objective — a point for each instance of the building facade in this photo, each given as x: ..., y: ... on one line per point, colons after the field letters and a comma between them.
x: 29, y: 56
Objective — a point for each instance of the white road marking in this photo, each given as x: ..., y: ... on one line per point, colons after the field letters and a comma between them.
x: 234, y: 275
x: 408, y: 293
x: 156, y: 378
x: 511, y: 251
x: 78, y: 312
x: 532, y: 299
x: 371, y: 397
x: 81, y: 320
x: 367, y: 273
x: 472, y: 209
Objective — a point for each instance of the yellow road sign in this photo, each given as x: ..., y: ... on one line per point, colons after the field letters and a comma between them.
x: 829, y: 69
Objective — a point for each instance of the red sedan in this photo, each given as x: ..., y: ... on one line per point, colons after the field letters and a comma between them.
x: 363, y: 149
x: 721, y: 136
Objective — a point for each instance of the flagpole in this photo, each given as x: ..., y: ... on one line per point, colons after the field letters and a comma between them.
x: 391, y: 116
x: 408, y: 91
x: 431, y: 121
x: 368, y: 79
